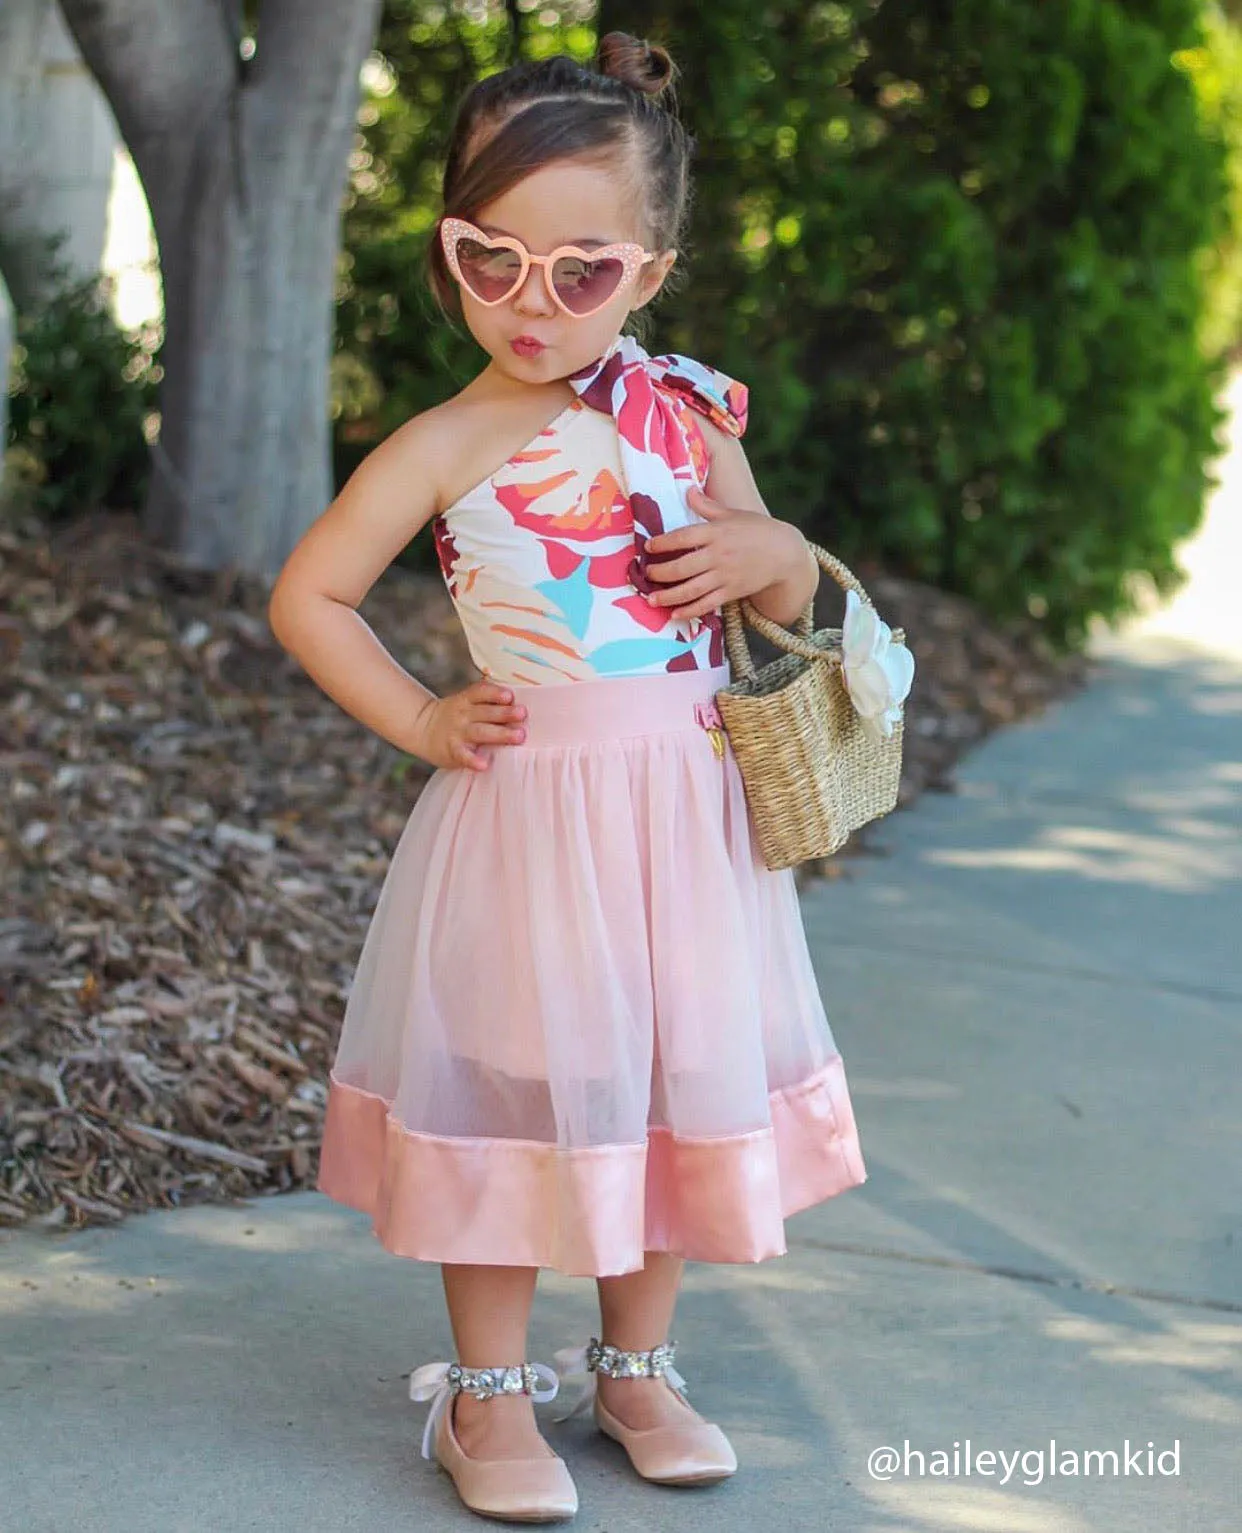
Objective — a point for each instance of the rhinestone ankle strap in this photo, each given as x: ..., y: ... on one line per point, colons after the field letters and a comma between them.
x: 439, y: 1382
x: 583, y: 1364
x: 483, y: 1383
x: 629, y: 1365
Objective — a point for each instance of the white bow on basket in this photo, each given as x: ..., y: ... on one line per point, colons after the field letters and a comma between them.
x: 431, y: 1382
x: 572, y: 1364
x: 878, y: 673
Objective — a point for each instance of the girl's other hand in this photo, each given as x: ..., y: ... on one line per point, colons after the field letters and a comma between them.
x: 451, y: 728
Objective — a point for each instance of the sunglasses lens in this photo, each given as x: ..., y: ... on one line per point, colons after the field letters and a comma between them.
x: 586, y: 285
x: 489, y: 274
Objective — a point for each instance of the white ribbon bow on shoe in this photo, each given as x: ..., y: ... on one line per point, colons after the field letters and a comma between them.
x: 572, y: 1364
x: 431, y: 1382
x: 878, y: 673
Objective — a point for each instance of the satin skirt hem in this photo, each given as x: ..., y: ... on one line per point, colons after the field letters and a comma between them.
x: 591, y: 1211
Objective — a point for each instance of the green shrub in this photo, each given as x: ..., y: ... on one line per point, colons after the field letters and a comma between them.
x: 81, y: 393
x: 1216, y: 70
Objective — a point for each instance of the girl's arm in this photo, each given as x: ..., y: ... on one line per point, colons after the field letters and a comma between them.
x: 312, y: 609
x: 731, y: 482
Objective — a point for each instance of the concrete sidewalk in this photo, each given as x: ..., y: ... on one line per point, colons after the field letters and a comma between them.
x: 1038, y: 993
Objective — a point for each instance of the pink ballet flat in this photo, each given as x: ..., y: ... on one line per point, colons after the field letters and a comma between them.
x: 516, y: 1490
x: 689, y: 1453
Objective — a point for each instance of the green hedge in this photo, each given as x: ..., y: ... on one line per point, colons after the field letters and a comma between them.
x: 1215, y: 67
x: 957, y: 251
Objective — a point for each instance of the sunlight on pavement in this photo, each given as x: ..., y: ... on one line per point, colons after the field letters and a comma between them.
x: 1129, y: 857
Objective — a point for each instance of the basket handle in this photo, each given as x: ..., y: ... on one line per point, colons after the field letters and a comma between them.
x: 795, y: 643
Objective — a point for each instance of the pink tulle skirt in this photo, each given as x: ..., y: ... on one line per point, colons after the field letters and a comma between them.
x: 584, y: 1024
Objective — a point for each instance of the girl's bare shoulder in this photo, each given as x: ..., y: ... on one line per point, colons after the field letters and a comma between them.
x: 413, y: 469
x: 479, y: 431
x: 429, y: 443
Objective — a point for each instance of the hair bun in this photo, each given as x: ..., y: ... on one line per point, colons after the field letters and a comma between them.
x: 646, y: 67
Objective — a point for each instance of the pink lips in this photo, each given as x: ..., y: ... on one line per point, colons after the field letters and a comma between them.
x: 527, y: 346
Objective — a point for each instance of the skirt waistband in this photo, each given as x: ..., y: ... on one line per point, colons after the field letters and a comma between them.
x: 577, y: 712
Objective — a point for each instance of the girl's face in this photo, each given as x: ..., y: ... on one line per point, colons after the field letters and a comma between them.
x: 566, y: 203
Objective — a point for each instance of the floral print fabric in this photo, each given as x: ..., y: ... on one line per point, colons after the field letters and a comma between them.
x: 546, y: 559
x: 634, y: 388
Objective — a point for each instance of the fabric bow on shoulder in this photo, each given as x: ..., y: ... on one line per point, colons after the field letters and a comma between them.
x: 638, y: 391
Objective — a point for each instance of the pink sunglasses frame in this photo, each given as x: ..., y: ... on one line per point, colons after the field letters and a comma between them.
x: 633, y: 259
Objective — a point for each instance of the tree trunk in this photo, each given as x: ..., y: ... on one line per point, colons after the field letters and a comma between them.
x: 8, y: 328
x: 244, y: 167
x: 243, y: 463
x: 23, y: 262
x: 24, y: 254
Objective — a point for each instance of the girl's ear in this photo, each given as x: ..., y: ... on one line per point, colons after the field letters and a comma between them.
x: 653, y: 278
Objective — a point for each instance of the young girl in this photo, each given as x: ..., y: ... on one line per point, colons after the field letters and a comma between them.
x: 584, y: 1032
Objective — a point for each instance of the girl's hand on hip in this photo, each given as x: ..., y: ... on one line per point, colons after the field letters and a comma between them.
x: 730, y: 555
x: 450, y: 730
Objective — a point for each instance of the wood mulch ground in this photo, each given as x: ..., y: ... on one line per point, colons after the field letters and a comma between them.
x: 194, y: 838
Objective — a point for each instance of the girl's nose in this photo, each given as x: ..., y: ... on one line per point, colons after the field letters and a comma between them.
x: 533, y: 296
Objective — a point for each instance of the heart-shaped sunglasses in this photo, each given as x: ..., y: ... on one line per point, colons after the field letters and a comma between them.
x: 493, y: 268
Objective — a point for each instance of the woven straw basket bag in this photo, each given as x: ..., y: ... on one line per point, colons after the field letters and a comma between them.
x: 812, y: 774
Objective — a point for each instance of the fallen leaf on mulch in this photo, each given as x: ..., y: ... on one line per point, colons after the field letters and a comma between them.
x: 194, y: 838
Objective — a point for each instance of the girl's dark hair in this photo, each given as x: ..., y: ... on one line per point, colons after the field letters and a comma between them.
x: 522, y: 118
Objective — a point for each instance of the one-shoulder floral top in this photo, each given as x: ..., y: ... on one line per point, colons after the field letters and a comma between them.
x: 539, y: 557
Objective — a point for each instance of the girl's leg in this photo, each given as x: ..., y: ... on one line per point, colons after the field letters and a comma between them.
x: 636, y: 1313
x: 489, y: 1309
